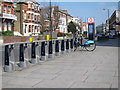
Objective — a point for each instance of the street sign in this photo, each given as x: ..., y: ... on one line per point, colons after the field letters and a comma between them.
x: 48, y: 38
x: 30, y: 38
x: 91, y: 20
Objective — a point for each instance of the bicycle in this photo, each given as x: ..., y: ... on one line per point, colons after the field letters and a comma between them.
x: 89, y: 45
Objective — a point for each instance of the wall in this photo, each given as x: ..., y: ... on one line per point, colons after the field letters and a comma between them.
x: 11, y: 39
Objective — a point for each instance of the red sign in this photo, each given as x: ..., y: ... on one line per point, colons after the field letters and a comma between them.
x: 91, y: 20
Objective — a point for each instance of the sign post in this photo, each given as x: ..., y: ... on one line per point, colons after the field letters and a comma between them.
x: 48, y: 38
x: 30, y: 38
x: 91, y: 30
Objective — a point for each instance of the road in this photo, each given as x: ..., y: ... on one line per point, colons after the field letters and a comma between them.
x: 80, y: 69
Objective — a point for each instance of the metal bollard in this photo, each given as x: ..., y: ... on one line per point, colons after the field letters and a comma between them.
x: 23, y: 63
x: 67, y: 46
x: 57, y: 53
x: 9, y: 65
x: 50, y: 50
x: 71, y: 44
x: 33, y: 53
x: 43, y: 52
x: 62, y: 47
x: 38, y: 51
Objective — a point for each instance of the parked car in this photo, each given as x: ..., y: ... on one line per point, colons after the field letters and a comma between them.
x: 112, y: 34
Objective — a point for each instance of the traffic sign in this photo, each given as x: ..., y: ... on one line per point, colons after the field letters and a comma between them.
x: 91, y: 20
x: 30, y: 38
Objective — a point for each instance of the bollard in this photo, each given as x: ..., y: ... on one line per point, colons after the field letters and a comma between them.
x: 57, y: 53
x: 67, y: 46
x: 43, y: 52
x: 62, y: 47
x: 50, y: 50
x: 33, y: 53
x: 23, y: 63
x: 8, y: 65
x: 71, y: 45
x: 38, y: 51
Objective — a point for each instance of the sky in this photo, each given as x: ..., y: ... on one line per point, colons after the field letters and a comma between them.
x: 84, y: 10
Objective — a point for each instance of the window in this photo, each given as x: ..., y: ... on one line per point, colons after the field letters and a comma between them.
x: 24, y: 15
x: 35, y: 17
x: 29, y: 5
x: 32, y: 6
x: 9, y: 26
x: 5, y: 9
x: 25, y: 28
x: 35, y: 6
x: 33, y: 28
x: 5, y: 26
x: 38, y: 17
x: 9, y: 10
x: 32, y: 16
x: 0, y: 9
x: 29, y: 16
x: 29, y: 28
x: 15, y: 4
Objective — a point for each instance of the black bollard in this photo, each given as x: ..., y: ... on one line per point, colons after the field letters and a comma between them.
x: 21, y: 57
x: 67, y: 44
x: 43, y: 49
x: 62, y: 46
x: 57, y: 46
x: 50, y: 47
x: 6, y: 62
x: 71, y: 44
x: 33, y: 52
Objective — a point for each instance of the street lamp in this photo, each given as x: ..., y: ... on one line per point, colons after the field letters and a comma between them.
x: 108, y: 17
x: 50, y: 21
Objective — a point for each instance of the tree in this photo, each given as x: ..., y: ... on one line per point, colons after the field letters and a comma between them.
x: 45, y: 18
x: 72, y: 27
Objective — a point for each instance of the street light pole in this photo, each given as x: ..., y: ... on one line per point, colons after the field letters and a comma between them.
x: 108, y: 18
x: 50, y: 21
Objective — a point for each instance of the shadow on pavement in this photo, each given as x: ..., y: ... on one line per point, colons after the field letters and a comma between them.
x: 109, y: 42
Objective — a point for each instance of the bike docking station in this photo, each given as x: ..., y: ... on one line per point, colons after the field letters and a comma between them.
x: 44, y: 48
x: 50, y: 49
x: 62, y: 47
x: 57, y: 51
x: 38, y: 50
x: 9, y: 64
x: 23, y: 62
x: 67, y: 46
x: 71, y: 45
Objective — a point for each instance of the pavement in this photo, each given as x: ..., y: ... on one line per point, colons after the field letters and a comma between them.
x: 79, y: 69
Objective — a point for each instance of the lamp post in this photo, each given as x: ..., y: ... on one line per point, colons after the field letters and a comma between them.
x: 50, y: 21
x: 108, y: 17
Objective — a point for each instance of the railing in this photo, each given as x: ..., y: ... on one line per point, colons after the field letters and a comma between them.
x: 8, y: 16
x: 19, y: 55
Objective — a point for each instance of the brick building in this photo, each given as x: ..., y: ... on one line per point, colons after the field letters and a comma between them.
x: 28, y: 14
x: 7, y: 17
x: 114, y: 21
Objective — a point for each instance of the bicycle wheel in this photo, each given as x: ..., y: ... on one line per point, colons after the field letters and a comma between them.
x: 90, y: 47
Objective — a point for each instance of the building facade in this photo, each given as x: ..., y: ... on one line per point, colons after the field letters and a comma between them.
x: 7, y: 17
x: 114, y: 22
x: 28, y: 14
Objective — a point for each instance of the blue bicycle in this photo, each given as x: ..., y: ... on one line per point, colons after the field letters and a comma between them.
x: 89, y: 45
